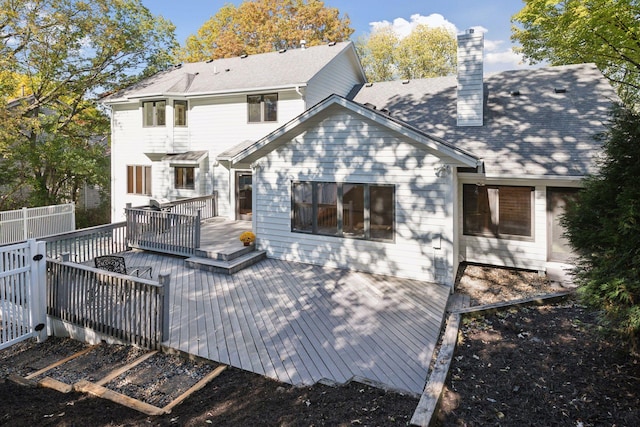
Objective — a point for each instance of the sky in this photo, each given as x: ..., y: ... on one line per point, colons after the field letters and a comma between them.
x: 492, y: 17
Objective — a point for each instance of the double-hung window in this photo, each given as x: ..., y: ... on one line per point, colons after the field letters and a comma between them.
x: 139, y: 180
x: 262, y: 108
x: 180, y: 113
x: 498, y: 211
x: 154, y: 113
x: 363, y: 211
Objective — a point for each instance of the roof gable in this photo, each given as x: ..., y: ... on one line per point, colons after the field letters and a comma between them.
x: 267, y: 71
x: 248, y: 153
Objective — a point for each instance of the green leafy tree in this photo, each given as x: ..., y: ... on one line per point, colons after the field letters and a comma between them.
x: 57, y: 56
x: 261, y: 26
x: 605, y: 32
x: 425, y: 52
x: 603, y: 225
x: 377, y: 54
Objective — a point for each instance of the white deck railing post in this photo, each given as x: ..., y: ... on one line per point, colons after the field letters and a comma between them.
x: 38, y: 310
x: 25, y: 223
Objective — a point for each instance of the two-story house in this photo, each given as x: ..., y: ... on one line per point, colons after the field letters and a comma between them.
x: 405, y: 178
x: 168, y: 130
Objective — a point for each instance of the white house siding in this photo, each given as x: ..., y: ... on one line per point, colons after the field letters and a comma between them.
x: 339, y: 77
x: 126, y: 149
x: 525, y: 254
x: 217, y: 124
x: 213, y: 124
x: 348, y: 148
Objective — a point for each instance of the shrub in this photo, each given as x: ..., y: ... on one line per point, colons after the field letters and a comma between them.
x: 603, y: 226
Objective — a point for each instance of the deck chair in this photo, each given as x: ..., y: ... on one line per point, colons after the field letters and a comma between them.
x: 116, y: 264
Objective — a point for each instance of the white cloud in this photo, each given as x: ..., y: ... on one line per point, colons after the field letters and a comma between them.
x: 402, y: 27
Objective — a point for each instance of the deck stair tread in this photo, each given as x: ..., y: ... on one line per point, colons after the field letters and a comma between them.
x: 226, y: 266
x: 224, y: 252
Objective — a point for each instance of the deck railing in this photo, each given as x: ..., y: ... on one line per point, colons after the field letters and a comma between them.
x: 128, y: 308
x: 206, y: 205
x: 163, y: 231
x: 88, y: 243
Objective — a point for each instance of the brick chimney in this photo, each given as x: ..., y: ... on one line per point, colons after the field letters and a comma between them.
x: 470, y: 84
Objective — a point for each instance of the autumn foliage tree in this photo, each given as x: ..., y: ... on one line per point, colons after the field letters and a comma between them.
x: 425, y: 52
x: 261, y: 26
x: 56, y: 57
x: 605, y: 32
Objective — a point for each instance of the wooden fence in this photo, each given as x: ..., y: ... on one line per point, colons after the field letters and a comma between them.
x: 88, y: 243
x: 27, y: 223
x: 162, y: 231
x: 128, y: 308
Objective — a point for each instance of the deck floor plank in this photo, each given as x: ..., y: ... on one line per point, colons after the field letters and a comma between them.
x: 300, y: 323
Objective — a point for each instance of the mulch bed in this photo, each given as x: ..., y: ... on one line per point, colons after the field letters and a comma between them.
x: 538, y: 365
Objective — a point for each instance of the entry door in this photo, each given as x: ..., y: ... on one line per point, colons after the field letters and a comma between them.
x: 559, y: 249
x: 244, y: 206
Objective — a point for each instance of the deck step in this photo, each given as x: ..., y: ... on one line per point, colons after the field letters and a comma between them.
x: 226, y: 252
x: 226, y: 267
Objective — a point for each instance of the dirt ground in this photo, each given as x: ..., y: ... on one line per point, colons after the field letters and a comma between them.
x: 542, y: 365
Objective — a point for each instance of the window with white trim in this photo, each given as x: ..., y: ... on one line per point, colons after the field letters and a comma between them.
x: 180, y: 113
x: 262, y: 108
x: 139, y: 180
x: 154, y: 113
x: 184, y: 177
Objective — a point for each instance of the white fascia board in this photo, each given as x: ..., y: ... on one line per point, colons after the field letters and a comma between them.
x: 429, y: 142
x: 225, y: 92
x: 557, y: 179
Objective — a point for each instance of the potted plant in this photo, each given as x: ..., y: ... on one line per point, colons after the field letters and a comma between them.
x: 247, y: 238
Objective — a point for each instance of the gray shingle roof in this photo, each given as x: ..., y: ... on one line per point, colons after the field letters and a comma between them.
x: 539, y: 132
x: 253, y: 72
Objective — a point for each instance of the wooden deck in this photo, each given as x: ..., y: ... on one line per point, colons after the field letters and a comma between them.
x: 299, y: 323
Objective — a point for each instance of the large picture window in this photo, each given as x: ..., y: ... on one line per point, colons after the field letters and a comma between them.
x: 154, y: 113
x: 364, y: 211
x: 184, y: 177
x: 498, y: 211
x: 262, y: 108
x: 139, y: 180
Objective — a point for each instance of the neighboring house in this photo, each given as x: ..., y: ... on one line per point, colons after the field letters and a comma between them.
x: 168, y: 130
x: 405, y: 178
x: 410, y: 178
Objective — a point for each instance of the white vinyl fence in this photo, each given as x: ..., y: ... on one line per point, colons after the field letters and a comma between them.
x: 22, y: 292
x: 29, y: 223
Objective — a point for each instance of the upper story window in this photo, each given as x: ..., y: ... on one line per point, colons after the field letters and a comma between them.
x: 262, y: 108
x: 139, y: 180
x: 184, y: 177
x: 364, y: 211
x: 180, y: 113
x: 498, y: 211
x: 154, y: 113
